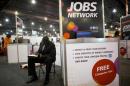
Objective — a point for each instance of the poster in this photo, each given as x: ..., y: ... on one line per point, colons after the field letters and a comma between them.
x: 82, y: 18
x: 92, y: 64
x: 125, y: 28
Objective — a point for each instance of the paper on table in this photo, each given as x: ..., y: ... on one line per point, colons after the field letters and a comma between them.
x: 33, y: 55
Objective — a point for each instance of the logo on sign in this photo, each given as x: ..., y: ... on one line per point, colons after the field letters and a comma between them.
x: 109, y: 55
x: 85, y: 9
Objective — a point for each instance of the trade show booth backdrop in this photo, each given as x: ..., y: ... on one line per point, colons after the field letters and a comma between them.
x: 82, y: 18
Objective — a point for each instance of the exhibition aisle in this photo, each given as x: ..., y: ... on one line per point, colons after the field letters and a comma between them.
x: 12, y: 75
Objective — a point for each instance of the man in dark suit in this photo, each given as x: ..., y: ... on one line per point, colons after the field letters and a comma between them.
x: 46, y: 55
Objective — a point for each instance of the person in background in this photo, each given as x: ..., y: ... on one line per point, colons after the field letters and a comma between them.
x: 123, y: 52
x: 7, y: 40
x: 46, y: 55
x: 117, y: 34
x: 2, y: 45
x: 126, y: 36
x: 2, y: 42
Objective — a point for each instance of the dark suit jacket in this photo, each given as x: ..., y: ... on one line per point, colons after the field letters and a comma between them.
x: 49, y: 51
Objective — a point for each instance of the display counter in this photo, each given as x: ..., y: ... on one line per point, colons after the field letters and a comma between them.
x: 23, y: 50
x: 14, y: 51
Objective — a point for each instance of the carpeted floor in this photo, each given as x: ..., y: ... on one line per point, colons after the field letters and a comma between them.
x: 13, y: 75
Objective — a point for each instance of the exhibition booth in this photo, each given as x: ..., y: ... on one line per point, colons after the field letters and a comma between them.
x: 98, y: 57
x: 19, y: 52
x: 84, y: 55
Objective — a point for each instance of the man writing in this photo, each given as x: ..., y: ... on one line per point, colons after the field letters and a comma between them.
x: 46, y: 55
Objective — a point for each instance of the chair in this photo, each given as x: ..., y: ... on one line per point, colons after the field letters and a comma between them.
x: 42, y: 69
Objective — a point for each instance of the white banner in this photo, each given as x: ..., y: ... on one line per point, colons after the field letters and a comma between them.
x: 92, y: 64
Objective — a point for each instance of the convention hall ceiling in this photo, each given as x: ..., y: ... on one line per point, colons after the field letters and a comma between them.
x: 36, y: 13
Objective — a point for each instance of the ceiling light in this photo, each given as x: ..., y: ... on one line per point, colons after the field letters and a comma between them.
x: 26, y: 32
x: 16, y: 13
x: 51, y: 26
x: 33, y: 1
x: 32, y: 23
x: 111, y: 26
x: 0, y: 24
x: 6, y: 20
x: 7, y: 33
x: 116, y: 28
x: 11, y: 31
x: 45, y: 18
x: 23, y: 27
x: 53, y: 29
x: 40, y: 28
x: 114, y: 10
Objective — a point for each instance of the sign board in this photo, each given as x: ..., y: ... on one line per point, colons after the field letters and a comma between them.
x: 19, y: 26
x: 82, y: 18
x: 125, y: 27
x: 92, y: 62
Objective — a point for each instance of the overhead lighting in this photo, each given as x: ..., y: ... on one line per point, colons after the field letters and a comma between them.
x: 40, y: 28
x: 114, y: 10
x: 119, y: 29
x: 105, y: 24
x: 0, y: 24
x: 44, y: 31
x: 26, y: 32
x: 7, y: 33
x: 33, y: 1
x: 23, y: 27
x: 45, y: 18
x: 11, y: 31
x: 32, y: 23
x: 7, y: 20
x: 51, y: 26
x: 16, y: 13
x: 54, y: 30
x: 111, y: 26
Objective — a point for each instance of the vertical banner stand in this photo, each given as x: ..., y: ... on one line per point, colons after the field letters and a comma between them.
x: 17, y: 38
x: 103, y: 17
x: 61, y: 41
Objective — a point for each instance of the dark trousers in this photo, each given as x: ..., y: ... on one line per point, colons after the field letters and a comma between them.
x: 31, y: 66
